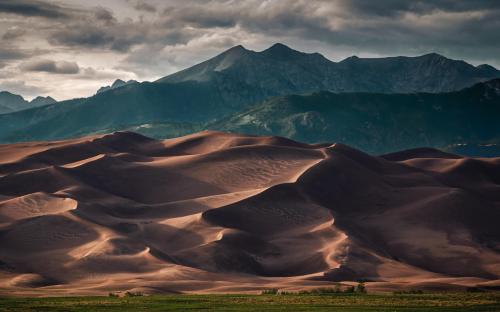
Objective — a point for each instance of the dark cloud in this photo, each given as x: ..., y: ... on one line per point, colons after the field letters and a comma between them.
x: 376, y: 27
x: 392, y: 7
x: 13, y: 33
x: 144, y: 6
x: 381, y: 27
x: 12, y: 53
x: 201, y: 17
x: 92, y: 37
x: 32, y: 8
x: 119, y: 37
x: 460, y: 29
x: 49, y: 66
x: 84, y: 36
x: 104, y: 15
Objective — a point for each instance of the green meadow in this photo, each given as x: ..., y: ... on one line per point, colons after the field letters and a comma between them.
x: 489, y: 301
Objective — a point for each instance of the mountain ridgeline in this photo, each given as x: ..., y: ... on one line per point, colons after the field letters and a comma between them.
x: 281, y: 70
x: 377, y: 123
x: 10, y: 102
x: 118, y: 83
x: 353, y: 101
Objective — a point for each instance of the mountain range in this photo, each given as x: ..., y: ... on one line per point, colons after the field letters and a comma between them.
x: 373, y: 122
x: 227, y: 90
x: 10, y: 102
x: 281, y: 70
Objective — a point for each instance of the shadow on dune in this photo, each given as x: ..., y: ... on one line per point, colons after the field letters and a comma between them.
x: 214, y: 211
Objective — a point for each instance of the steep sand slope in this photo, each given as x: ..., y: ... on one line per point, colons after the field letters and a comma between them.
x: 216, y: 212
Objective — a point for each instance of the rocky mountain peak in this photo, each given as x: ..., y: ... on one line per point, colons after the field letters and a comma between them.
x: 279, y: 50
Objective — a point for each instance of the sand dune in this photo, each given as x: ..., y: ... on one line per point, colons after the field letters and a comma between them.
x: 218, y: 212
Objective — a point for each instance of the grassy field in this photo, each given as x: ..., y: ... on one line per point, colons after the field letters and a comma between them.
x: 294, y: 302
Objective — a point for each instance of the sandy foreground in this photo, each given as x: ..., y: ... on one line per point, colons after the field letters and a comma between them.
x: 214, y: 213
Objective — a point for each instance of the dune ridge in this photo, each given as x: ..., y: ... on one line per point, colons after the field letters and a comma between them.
x: 219, y: 212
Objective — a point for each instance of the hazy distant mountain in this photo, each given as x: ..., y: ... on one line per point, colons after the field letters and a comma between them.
x: 231, y: 82
x: 118, y: 83
x: 378, y: 123
x: 40, y: 101
x: 121, y: 108
x: 12, y: 102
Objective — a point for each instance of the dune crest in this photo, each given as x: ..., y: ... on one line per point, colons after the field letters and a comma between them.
x: 220, y: 212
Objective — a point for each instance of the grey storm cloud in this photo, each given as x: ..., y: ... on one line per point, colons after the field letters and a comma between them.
x: 94, y: 37
x: 201, y: 16
x: 13, y: 33
x: 83, y: 36
x: 382, y: 27
x: 10, y: 53
x: 395, y: 7
x: 49, y: 66
x: 373, y: 25
x: 144, y: 6
x: 32, y: 8
x: 103, y: 14
x: 119, y: 37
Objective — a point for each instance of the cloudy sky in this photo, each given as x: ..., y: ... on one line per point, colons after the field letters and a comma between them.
x: 70, y: 48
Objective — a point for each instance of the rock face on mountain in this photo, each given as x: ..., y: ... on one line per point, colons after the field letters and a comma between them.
x: 216, y: 212
x: 282, y: 70
x: 118, y: 83
x: 12, y: 102
x: 377, y: 123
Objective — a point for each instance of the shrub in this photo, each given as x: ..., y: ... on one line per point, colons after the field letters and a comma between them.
x: 271, y: 291
x: 133, y: 294
x: 327, y: 290
x: 321, y: 291
x: 360, y: 288
x: 475, y: 289
x: 338, y: 289
x: 349, y: 289
x: 409, y: 292
x: 113, y: 295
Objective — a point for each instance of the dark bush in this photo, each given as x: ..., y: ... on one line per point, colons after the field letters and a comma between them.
x: 349, y: 290
x: 133, y: 294
x: 475, y: 289
x: 360, y: 288
x: 271, y: 291
x: 409, y: 292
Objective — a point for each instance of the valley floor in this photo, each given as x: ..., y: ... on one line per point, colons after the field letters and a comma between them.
x: 336, y: 302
